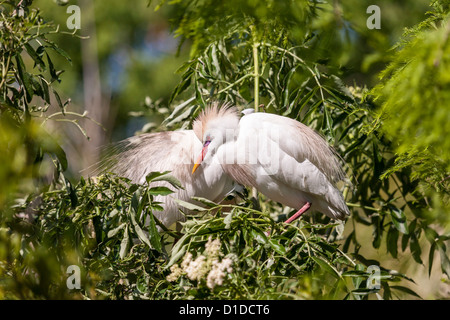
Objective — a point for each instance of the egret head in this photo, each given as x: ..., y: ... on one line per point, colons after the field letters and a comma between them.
x: 216, y: 125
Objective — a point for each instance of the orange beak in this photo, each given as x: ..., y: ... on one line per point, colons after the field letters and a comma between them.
x: 201, y: 157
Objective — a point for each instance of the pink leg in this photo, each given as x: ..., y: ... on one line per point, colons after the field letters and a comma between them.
x: 299, y: 213
x: 296, y: 215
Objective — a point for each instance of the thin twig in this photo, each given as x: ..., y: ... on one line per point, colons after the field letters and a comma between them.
x: 235, y: 83
x: 256, y: 75
x: 362, y: 207
x: 83, y: 116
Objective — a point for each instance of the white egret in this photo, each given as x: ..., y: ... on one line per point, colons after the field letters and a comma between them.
x: 135, y: 157
x: 282, y: 158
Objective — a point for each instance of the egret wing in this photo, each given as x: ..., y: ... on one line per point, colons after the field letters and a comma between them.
x: 289, y: 162
x: 296, y: 140
x: 137, y: 156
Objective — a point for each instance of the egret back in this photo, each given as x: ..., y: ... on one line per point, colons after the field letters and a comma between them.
x: 287, y: 161
x: 296, y: 140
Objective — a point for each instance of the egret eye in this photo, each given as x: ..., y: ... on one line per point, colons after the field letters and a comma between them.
x: 207, y: 140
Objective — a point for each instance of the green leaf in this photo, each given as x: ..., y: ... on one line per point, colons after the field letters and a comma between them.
x: 415, y: 248
x: 227, y: 220
x: 33, y: 54
x: 431, y: 235
x: 124, y: 244
x: 52, y: 69
x: 377, y: 161
x: 58, y: 100
x: 164, y: 176
x: 135, y: 207
x: 25, y: 78
x: 445, y: 260
x: 156, y: 207
x: 205, y: 201
x: 188, y: 205
x: 387, y: 295
x: 342, y: 89
x: 155, y: 174
x: 178, y: 109
x: 163, y: 191
x: 178, y: 250
x: 50, y: 146
x: 279, y: 248
x: 155, y: 237
x: 406, y: 290
x: 170, y: 179
x: 398, y: 219
x: 327, y: 125
x: 355, y: 273
x: 45, y: 91
x: 405, y: 241
x: 259, y: 236
x: 186, y: 114
x: 306, y: 98
x: 112, y: 233
x: 364, y: 291
x: 327, y: 266
x: 312, y: 109
x: 431, y: 257
x: 60, y: 51
x: 184, y: 84
x: 355, y: 144
x: 392, y: 241
x: 378, y: 231
x: 72, y: 195
x: 352, y: 124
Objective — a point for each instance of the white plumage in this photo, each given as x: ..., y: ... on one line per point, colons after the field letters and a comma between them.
x: 135, y: 157
x: 282, y: 158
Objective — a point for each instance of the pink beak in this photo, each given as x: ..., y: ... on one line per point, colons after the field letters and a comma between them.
x: 201, y: 157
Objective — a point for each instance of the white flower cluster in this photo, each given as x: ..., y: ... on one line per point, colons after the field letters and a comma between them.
x: 212, y: 248
x: 217, y: 273
x: 205, y: 265
x: 194, y: 269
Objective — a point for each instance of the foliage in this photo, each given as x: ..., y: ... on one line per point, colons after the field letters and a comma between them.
x: 23, y: 32
x: 416, y: 88
x: 27, y: 90
x: 31, y: 157
x: 90, y: 225
x: 106, y: 227
x: 240, y: 251
x: 18, y: 85
x: 270, y: 260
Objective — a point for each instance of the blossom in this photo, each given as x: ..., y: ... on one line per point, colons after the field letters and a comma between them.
x: 176, y: 272
x: 197, y: 268
x: 212, y: 247
x: 205, y: 265
x: 217, y: 273
x: 186, y: 260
